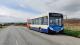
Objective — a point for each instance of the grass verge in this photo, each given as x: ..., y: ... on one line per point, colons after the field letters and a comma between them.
x: 72, y: 33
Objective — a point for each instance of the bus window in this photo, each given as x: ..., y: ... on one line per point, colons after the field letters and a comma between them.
x: 55, y: 21
x: 45, y: 20
x: 40, y: 21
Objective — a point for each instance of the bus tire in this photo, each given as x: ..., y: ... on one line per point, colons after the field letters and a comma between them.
x: 49, y: 31
x: 39, y: 29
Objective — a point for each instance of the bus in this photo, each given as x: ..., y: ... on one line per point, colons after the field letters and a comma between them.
x: 48, y: 23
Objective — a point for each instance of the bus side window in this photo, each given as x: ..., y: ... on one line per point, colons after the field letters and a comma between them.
x: 45, y: 20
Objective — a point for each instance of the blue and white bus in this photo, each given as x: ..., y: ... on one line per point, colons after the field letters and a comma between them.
x: 48, y: 23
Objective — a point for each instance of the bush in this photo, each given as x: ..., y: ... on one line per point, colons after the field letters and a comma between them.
x: 72, y: 33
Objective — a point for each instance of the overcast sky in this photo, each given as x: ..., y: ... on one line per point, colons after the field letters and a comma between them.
x: 20, y: 10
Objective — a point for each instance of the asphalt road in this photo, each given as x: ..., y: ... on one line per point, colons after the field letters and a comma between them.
x: 17, y: 35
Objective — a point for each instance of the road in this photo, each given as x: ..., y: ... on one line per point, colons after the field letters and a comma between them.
x: 18, y: 35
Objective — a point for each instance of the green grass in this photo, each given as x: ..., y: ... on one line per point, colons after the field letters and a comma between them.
x: 72, y: 33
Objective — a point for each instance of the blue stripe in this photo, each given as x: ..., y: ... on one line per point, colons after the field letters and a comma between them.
x: 42, y: 30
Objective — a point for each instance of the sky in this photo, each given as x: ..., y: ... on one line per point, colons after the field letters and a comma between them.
x: 21, y: 10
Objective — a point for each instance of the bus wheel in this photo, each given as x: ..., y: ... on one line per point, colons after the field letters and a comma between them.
x: 49, y: 31
x: 39, y: 29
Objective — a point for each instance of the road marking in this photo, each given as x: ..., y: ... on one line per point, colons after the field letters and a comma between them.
x: 16, y: 42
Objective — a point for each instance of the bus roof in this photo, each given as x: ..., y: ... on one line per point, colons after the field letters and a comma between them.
x: 43, y: 15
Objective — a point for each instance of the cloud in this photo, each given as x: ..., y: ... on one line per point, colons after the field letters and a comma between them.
x: 72, y: 6
x: 4, y: 11
x: 23, y: 8
x: 67, y: 7
x: 37, y: 5
x: 17, y: 5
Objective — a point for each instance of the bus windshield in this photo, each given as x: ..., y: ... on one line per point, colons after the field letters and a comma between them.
x: 55, y: 21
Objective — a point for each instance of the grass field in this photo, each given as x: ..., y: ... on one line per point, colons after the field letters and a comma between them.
x: 72, y: 33
x: 72, y: 28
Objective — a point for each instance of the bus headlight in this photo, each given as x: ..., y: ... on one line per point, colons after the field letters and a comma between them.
x: 62, y: 28
x: 51, y: 28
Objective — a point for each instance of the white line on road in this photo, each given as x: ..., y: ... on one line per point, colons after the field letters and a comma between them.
x: 16, y: 42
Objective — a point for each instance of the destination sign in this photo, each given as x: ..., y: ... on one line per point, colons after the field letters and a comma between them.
x: 55, y: 15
